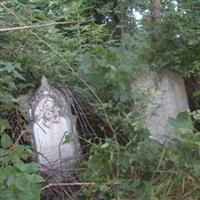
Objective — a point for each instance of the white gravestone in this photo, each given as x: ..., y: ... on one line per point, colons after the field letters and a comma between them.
x: 51, y: 121
x: 167, y: 96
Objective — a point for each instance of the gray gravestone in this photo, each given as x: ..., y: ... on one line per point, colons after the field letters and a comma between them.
x: 167, y: 96
x: 51, y: 121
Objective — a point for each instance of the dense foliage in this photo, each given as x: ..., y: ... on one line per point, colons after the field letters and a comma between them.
x: 98, y: 48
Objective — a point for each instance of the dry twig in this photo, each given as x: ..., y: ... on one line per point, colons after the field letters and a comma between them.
x: 67, y: 184
x: 14, y: 145
x: 43, y: 25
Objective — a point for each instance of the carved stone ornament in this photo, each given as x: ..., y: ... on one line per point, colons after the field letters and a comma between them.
x: 51, y: 121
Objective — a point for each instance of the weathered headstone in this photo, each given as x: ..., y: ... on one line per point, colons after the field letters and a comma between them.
x: 168, y: 98
x: 51, y: 121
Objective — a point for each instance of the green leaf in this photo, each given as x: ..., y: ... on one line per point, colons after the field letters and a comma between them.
x: 183, y: 116
x: 5, y: 141
x: 8, y: 170
x: 196, y: 167
x: 11, y: 180
x: 103, y: 146
x: 6, y: 195
x: 25, y: 195
x: 32, y: 167
x: 104, y: 188
x: 32, y: 178
x: 182, y: 121
x: 196, y: 94
x: 21, y: 183
x: 4, y: 125
x: 18, y: 75
x: 69, y: 138
x: 27, y: 167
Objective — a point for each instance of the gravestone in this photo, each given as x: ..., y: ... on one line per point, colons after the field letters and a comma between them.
x: 168, y: 97
x: 51, y: 122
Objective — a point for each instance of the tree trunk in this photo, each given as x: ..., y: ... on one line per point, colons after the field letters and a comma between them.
x: 155, y: 10
x: 155, y: 18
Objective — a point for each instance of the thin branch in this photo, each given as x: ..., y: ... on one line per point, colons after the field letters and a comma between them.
x: 43, y: 25
x: 75, y: 184
x: 67, y: 184
x: 14, y: 145
x: 160, y: 162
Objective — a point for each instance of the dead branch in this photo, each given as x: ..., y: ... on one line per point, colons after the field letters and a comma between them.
x: 43, y: 25
x: 67, y: 184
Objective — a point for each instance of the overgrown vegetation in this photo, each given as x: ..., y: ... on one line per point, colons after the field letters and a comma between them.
x: 98, y: 48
